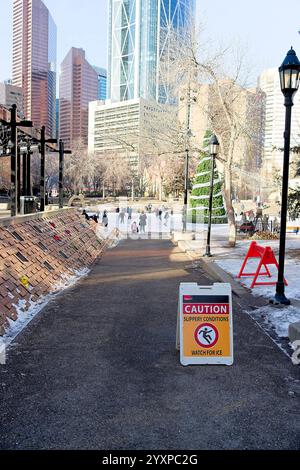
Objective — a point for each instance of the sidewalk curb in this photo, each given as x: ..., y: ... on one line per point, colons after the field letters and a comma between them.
x: 243, y: 297
x: 218, y: 273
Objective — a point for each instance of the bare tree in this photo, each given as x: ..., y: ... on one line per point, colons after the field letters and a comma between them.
x: 76, y: 168
x: 117, y: 173
x: 225, y: 110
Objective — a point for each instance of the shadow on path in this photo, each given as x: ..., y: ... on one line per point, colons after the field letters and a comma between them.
x: 97, y: 369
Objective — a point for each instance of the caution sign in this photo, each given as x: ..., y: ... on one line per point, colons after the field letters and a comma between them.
x: 204, y: 325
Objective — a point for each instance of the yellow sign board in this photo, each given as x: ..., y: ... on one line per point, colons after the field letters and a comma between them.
x: 204, y: 325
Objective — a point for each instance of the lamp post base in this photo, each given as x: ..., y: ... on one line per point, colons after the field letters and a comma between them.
x: 208, y: 253
x: 280, y: 299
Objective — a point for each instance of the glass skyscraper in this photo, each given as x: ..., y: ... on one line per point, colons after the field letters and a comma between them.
x: 102, y: 83
x: 34, y: 61
x: 139, y: 33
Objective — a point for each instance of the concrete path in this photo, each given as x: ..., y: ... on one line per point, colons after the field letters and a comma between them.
x: 97, y: 369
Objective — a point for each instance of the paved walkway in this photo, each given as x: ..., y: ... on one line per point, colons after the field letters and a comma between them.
x: 97, y: 369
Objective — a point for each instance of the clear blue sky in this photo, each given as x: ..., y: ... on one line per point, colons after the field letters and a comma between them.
x: 268, y: 27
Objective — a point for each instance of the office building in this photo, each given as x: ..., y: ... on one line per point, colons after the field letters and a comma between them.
x: 57, y: 118
x: 102, y: 83
x: 139, y: 38
x: 10, y: 94
x: 114, y: 125
x: 78, y: 85
x: 269, y: 83
x: 125, y: 128
x: 34, y: 61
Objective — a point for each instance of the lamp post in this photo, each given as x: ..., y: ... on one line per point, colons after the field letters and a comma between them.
x: 27, y: 147
x: 190, y: 99
x: 14, y: 124
x: 43, y: 141
x: 62, y: 152
x: 289, y: 81
x: 187, y: 156
x: 213, y: 147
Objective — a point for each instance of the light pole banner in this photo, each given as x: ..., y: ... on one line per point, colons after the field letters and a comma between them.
x: 204, y: 324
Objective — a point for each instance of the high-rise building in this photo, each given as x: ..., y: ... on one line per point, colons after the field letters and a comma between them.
x: 139, y: 38
x: 57, y: 118
x: 34, y: 61
x: 10, y: 94
x: 78, y: 85
x: 112, y: 124
x: 102, y: 83
x: 269, y: 83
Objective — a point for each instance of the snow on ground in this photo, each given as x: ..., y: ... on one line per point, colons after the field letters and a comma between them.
x: 292, y: 270
x: 276, y: 318
x: 26, y: 316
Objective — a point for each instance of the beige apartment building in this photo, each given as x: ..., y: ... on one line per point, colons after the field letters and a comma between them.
x: 247, y: 105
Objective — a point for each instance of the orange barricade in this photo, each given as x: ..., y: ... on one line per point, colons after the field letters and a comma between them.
x: 266, y: 257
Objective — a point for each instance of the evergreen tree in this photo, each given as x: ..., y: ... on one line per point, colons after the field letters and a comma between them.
x: 199, y: 199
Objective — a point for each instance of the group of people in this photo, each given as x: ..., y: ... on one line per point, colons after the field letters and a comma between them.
x: 137, y: 225
x: 163, y: 214
x: 122, y: 214
x: 142, y: 223
x: 95, y: 217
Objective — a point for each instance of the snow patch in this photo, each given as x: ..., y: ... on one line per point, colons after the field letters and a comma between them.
x: 278, y: 319
x: 292, y: 269
x: 26, y: 316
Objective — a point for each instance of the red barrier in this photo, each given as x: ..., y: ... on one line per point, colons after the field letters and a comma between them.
x: 266, y: 257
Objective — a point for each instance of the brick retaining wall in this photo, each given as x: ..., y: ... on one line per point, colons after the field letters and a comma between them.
x: 37, y: 252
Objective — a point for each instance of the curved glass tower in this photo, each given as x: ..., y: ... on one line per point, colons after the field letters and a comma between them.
x: 139, y: 32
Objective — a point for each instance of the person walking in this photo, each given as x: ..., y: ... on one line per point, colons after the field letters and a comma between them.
x: 143, y: 221
x: 166, y: 217
x: 105, y: 219
x: 134, y: 227
x: 122, y: 217
x: 87, y: 217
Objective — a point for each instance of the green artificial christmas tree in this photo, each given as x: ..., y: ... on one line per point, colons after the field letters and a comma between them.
x: 199, y: 200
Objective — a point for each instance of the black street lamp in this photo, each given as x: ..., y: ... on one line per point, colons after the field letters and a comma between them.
x: 62, y: 152
x: 27, y: 147
x: 213, y: 148
x: 289, y: 81
x: 13, y: 124
x: 43, y: 141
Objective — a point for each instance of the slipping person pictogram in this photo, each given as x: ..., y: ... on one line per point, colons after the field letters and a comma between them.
x: 206, y: 335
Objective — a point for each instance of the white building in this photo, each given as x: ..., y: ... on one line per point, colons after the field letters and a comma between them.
x: 274, y: 128
x: 125, y: 128
x: 115, y: 127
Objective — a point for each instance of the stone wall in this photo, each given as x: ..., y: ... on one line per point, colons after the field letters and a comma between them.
x: 38, y: 252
